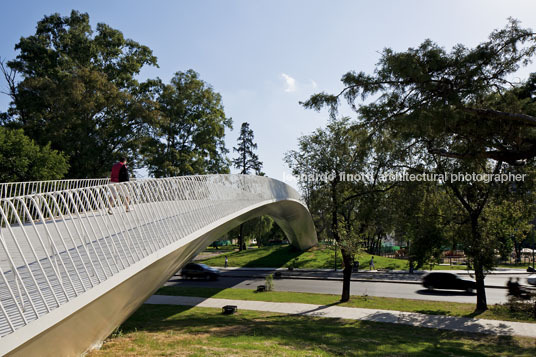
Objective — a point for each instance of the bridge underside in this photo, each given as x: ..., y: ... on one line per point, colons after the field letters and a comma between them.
x: 84, y: 322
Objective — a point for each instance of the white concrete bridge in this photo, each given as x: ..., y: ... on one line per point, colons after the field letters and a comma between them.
x: 74, y: 264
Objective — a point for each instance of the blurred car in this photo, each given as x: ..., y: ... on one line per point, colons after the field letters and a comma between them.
x: 531, y: 279
x: 449, y: 281
x: 197, y: 270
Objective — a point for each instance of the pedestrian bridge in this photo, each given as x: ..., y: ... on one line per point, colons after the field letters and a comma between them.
x: 74, y: 264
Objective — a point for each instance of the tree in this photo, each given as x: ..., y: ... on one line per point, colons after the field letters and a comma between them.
x: 421, y: 219
x: 246, y: 161
x: 456, y: 112
x: 79, y: 93
x: 21, y: 159
x: 509, y: 217
x: 323, y: 159
x: 186, y: 136
x: 262, y: 229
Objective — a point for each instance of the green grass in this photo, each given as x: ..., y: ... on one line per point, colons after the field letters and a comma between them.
x: 314, y: 258
x: 164, y: 330
x: 523, y: 266
x: 496, y: 312
x: 222, y: 249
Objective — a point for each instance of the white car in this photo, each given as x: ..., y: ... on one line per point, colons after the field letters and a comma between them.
x: 531, y: 279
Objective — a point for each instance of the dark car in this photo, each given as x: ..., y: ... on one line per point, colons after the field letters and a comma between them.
x: 196, y: 270
x: 451, y: 281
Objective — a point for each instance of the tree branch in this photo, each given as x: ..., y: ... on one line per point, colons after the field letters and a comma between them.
x: 496, y: 114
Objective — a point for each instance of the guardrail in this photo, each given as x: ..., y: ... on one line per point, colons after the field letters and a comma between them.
x: 14, y: 189
x: 58, y: 244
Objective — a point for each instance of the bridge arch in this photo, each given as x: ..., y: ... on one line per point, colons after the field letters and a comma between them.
x: 101, y: 267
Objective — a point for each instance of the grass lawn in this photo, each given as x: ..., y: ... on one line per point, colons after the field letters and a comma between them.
x: 523, y: 266
x: 165, y: 330
x: 316, y: 257
x: 496, y: 312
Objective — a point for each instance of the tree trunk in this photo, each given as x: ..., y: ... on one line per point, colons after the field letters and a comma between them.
x: 481, y: 303
x: 347, y: 258
x: 517, y: 248
x: 411, y: 265
x: 346, y: 274
x: 241, y: 240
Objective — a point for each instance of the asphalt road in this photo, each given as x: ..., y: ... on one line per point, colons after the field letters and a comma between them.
x: 391, y: 289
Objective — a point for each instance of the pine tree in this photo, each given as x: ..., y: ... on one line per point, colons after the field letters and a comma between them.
x: 247, y: 160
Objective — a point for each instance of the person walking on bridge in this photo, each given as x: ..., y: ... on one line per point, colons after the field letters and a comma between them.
x: 119, y: 174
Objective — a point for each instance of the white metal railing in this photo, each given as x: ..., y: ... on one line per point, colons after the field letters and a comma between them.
x: 56, y: 244
x: 14, y: 189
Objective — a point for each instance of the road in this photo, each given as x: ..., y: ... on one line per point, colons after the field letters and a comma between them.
x: 386, y: 289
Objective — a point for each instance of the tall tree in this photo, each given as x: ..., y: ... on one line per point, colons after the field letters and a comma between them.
x: 322, y: 162
x: 21, y: 159
x: 246, y: 161
x: 79, y: 92
x: 457, y: 111
x: 187, y: 135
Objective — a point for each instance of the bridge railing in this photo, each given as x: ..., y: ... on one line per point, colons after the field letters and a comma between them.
x: 14, y: 189
x: 58, y: 244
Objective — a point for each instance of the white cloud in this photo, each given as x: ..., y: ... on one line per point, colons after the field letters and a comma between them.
x: 313, y: 84
x: 290, y: 83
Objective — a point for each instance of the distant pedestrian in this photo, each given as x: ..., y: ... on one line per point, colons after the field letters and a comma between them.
x: 119, y: 174
x: 226, y: 262
x: 371, y: 264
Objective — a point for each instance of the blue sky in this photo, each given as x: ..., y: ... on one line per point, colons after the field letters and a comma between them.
x: 266, y: 56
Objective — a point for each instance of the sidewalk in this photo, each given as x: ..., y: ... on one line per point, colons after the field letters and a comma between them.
x: 462, y: 324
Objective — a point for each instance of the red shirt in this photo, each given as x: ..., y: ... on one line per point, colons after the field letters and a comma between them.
x: 115, y: 171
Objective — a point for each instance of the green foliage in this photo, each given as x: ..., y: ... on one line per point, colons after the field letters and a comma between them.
x: 421, y: 220
x: 186, y: 136
x: 78, y: 92
x: 509, y: 220
x: 21, y: 159
x: 449, y: 112
x: 247, y: 160
x: 324, y: 155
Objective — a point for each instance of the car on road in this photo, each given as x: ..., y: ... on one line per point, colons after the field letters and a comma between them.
x: 450, y: 281
x: 531, y: 279
x: 197, y: 270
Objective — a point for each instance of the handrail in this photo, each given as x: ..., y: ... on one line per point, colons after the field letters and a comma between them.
x: 60, y: 239
x: 23, y: 188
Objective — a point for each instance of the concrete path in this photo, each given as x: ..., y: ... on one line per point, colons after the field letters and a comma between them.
x: 462, y: 324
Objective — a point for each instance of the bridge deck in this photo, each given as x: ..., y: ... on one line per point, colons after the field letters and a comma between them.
x: 84, y: 262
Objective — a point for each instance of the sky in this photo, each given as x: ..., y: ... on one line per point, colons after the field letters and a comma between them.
x: 264, y: 57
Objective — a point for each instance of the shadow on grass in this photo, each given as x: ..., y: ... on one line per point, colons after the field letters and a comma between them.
x: 277, y: 258
x: 313, y: 335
